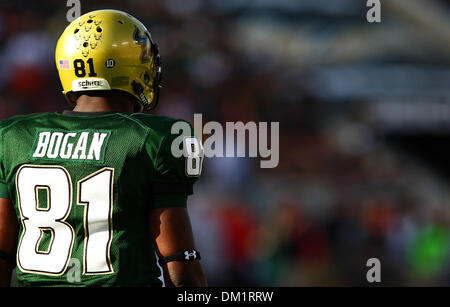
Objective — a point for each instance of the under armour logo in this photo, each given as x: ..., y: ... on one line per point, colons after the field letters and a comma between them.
x: 188, y: 255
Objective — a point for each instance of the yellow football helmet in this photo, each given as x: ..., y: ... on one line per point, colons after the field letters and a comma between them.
x: 109, y: 50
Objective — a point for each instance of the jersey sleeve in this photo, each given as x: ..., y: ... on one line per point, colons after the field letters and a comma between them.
x: 175, y: 171
x: 4, y: 192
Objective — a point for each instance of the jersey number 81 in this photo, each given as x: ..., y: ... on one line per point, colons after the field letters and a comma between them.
x: 94, y: 192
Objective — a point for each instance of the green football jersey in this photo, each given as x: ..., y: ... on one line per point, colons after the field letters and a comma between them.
x: 82, y: 185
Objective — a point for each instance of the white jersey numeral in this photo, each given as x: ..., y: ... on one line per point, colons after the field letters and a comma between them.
x: 35, y: 220
x: 194, y: 153
x: 94, y: 192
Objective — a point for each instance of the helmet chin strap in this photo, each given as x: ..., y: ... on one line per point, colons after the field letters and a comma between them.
x: 138, y: 107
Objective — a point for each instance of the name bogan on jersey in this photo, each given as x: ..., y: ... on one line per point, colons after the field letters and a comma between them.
x: 73, y: 145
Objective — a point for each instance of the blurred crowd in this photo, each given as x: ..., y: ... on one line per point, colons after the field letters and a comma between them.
x: 340, y: 195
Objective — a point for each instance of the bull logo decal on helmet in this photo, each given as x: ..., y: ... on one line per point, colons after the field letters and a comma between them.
x: 144, y: 41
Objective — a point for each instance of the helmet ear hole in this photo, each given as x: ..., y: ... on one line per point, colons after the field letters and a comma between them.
x: 146, y: 78
x: 120, y: 21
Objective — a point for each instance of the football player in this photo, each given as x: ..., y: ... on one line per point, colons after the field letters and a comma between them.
x: 94, y: 196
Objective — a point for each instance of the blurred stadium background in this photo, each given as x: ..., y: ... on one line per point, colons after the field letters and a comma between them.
x: 364, y: 112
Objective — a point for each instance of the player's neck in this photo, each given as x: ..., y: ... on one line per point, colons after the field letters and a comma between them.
x: 87, y: 103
